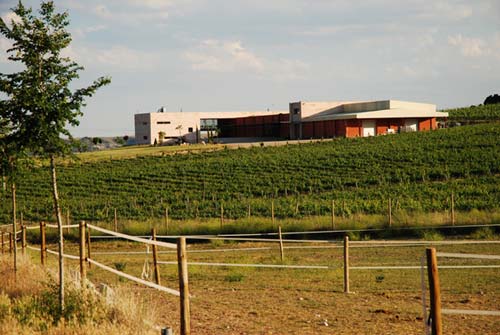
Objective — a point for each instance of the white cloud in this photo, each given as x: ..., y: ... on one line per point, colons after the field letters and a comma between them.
x: 117, y: 57
x: 4, y: 46
x: 231, y: 56
x: 223, y: 56
x: 450, y: 10
x: 151, y: 4
x: 334, y: 29
x: 148, y: 13
x: 469, y: 47
x: 82, y: 32
x: 9, y: 17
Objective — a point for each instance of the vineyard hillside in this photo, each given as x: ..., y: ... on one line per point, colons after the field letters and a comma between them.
x: 418, y: 171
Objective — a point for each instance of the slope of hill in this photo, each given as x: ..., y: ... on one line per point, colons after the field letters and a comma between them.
x: 473, y: 114
x: 419, y: 171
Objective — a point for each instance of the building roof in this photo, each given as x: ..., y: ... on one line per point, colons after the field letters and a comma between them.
x: 377, y: 110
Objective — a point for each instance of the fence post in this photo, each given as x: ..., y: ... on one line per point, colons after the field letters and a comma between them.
x: 23, y: 238
x: 155, y: 257
x: 116, y: 221
x: 167, y: 331
x: 333, y: 214
x: 3, y: 249
x: 346, y: 264
x: 435, y: 293
x: 10, y: 242
x: 249, y: 210
x: 88, y: 246
x: 42, y: 243
x: 281, y: 244
x: 83, y: 269
x: 183, y: 286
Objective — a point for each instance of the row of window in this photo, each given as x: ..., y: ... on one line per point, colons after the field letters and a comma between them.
x: 158, y: 122
x: 190, y: 129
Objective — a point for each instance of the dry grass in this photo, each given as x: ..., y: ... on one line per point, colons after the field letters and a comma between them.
x: 28, y: 305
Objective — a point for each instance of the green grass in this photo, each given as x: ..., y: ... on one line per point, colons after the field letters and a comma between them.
x: 133, y: 152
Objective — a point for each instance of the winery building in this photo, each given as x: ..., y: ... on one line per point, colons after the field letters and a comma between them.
x: 303, y: 120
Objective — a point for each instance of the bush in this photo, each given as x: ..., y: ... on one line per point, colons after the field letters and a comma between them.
x: 234, y: 277
x: 483, y: 233
x: 431, y: 235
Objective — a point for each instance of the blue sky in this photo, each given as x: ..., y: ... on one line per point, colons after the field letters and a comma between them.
x: 214, y: 55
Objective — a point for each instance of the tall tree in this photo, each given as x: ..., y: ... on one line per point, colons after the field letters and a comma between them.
x: 40, y: 102
x: 9, y: 156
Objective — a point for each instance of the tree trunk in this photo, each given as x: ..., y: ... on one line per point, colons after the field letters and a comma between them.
x: 57, y: 210
x: 14, y: 219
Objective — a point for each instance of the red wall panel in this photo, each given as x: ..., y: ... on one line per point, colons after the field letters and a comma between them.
x: 307, y: 130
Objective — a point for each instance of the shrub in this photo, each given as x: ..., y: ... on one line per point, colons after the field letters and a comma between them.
x: 483, y: 233
x: 431, y: 235
x: 234, y: 277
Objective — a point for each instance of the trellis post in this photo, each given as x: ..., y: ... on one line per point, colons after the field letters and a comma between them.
x: 272, y: 212
x: 333, y: 214
x: 221, y: 215
x: 281, y: 244
x: 389, y: 211
x: 452, y: 209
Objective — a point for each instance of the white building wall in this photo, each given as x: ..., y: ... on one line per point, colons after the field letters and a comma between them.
x: 181, y: 124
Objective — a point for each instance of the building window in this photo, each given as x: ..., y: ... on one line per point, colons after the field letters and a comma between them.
x: 144, y: 123
x: 145, y: 137
x: 190, y: 129
x: 163, y: 122
x: 296, y: 111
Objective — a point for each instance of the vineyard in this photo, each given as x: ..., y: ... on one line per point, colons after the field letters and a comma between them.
x: 418, y: 171
x: 474, y: 113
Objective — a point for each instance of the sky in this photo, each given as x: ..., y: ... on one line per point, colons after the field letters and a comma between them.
x: 221, y: 55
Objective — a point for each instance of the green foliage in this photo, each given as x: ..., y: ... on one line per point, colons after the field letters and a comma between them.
x: 492, y: 99
x: 474, y: 113
x: 431, y: 235
x: 4, y: 306
x: 42, y: 310
x: 39, y: 102
x: 418, y: 171
x: 484, y: 233
x: 234, y: 277
x: 120, y: 266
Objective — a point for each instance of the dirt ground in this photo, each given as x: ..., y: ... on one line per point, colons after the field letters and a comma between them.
x: 289, y: 301
x: 291, y: 311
